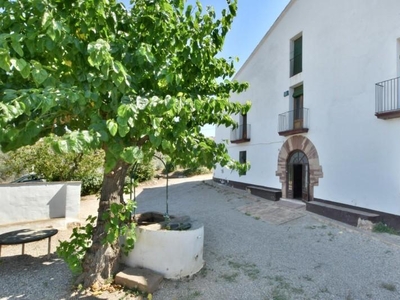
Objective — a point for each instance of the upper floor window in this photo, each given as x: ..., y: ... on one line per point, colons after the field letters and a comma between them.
x: 296, y: 56
x: 297, y: 119
x: 241, y: 134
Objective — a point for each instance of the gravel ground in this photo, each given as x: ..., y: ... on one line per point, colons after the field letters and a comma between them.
x: 246, y: 258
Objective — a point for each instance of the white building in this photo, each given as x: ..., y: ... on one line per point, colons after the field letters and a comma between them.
x: 324, y: 126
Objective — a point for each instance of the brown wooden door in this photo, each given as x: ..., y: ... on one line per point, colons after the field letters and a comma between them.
x: 305, y: 182
x: 298, y: 112
x: 290, y: 181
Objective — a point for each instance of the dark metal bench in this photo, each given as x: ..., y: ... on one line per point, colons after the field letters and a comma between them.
x: 24, y: 236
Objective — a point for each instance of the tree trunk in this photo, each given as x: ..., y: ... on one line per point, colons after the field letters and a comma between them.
x: 101, y: 260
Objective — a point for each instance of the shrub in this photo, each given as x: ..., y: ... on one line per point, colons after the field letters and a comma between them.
x: 383, y: 228
x: 4, y: 177
x: 144, y: 172
x: 196, y: 171
x: 41, y: 159
x: 91, y: 184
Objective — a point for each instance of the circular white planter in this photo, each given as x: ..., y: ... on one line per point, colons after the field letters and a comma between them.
x: 172, y: 253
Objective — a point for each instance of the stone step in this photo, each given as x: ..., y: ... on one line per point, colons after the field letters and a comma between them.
x: 343, y: 214
x: 142, y: 279
x: 290, y: 203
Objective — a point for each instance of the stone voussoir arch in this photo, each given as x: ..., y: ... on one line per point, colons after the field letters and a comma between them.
x: 301, y: 143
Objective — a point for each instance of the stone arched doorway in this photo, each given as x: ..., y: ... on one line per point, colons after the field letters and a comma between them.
x: 289, y: 155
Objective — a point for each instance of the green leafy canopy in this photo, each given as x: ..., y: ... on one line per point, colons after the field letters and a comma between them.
x: 131, y: 82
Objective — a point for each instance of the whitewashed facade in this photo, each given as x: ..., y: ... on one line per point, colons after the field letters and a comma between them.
x: 320, y: 85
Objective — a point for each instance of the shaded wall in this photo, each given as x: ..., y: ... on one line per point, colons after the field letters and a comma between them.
x: 33, y: 201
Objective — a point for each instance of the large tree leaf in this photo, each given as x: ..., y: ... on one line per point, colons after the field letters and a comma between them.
x: 112, y: 127
x: 15, y: 44
x: 23, y: 67
x: 5, y: 62
x: 39, y: 74
x: 132, y: 155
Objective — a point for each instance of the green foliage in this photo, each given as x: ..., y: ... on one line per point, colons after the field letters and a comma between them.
x: 196, y: 171
x: 169, y: 167
x: 91, y: 184
x: 388, y: 286
x: 43, y: 160
x: 140, y: 173
x: 383, y: 228
x: 74, y: 250
x: 102, y: 78
x: 91, y: 75
x: 144, y: 171
x: 118, y: 223
x: 4, y: 177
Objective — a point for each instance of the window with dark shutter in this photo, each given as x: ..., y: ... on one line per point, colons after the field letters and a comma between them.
x: 296, y: 61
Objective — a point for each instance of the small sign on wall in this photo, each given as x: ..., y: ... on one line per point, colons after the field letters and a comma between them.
x: 285, y: 93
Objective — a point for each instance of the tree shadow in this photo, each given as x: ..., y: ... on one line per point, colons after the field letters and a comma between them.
x: 30, y: 277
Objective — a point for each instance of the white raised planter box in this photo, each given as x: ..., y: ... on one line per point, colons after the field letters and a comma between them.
x: 172, y: 253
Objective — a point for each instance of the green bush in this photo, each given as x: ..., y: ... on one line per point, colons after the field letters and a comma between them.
x: 196, y: 171
x: 140, y: 173
x: 143, y: 172
x: 91, y: 184
x: 4, y: 177
x: 41, y: 159
x: 383, y: 228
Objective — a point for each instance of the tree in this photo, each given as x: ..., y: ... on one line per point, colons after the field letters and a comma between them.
x: 129, y: 82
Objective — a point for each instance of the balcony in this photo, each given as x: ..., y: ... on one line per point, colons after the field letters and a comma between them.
x: 241, y: 134
x: 387, y: 99
x: 293, y: 122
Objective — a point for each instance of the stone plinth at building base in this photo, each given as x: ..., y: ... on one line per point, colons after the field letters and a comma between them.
x: 142, y: 279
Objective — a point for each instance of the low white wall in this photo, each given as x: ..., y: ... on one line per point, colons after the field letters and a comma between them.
x: 33, y: 201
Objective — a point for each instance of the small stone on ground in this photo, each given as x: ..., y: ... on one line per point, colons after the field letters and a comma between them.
x: 143, y: 279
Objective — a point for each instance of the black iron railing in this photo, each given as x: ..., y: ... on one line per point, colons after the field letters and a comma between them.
x: 241, y: 134
x: 293, y: 120
x: 387, y: 96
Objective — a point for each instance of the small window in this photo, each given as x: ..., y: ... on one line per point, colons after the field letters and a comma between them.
x: 243, y: 158
x: 296, y: 57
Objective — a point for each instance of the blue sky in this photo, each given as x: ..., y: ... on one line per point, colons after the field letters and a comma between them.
x: 254, y: 18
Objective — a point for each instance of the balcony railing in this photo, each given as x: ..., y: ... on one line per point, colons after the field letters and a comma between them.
x: 387, y: 99
x: 294, y: 121
x: 241, y: 134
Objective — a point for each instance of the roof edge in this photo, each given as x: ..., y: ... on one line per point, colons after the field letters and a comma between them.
x: 280, y: 17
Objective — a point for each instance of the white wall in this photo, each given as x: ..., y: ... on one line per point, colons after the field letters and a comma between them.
x: 348, y: 46
x: 34, y: 201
